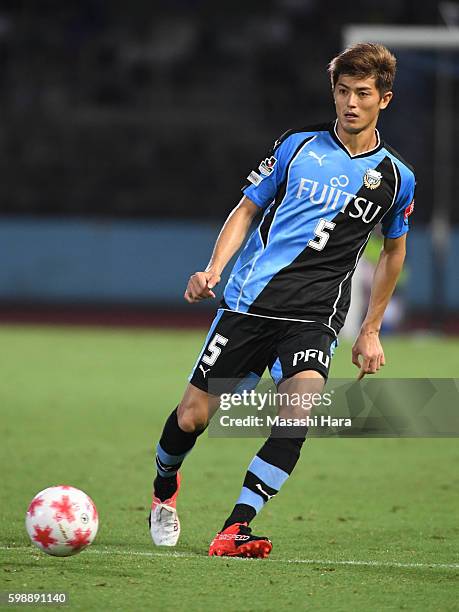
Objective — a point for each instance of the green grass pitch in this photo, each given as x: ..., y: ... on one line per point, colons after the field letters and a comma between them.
x: 365, y: 525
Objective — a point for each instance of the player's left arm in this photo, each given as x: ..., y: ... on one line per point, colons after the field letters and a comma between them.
x: 367, y: 352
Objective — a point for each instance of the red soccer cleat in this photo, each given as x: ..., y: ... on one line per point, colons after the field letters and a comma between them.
x: 237, y: 541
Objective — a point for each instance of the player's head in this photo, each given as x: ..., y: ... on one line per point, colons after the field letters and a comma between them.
x: 362, y: 77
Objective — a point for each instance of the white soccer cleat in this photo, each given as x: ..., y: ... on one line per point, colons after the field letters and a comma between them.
x: 164, y: 520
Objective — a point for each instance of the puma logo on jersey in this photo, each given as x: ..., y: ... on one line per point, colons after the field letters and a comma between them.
x: 260, y: 488
x: 319, y: 158
x: 203, y: 370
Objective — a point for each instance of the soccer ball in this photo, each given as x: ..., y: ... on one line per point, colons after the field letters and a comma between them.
x: 62, y: 520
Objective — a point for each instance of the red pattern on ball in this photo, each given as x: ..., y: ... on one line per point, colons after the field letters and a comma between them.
x: 43, y: 536
x: 80, y: 539
x: 34, y: 504
x: 64, y: 509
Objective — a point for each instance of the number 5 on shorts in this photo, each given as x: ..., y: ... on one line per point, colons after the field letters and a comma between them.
x: 214, y: 349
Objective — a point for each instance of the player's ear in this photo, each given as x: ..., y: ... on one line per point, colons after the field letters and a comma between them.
x: 385, y: 99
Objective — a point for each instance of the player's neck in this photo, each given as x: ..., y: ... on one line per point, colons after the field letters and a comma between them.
x: 358, y: 143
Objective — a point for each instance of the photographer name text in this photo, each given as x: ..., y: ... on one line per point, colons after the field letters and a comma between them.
x: 269, y: 421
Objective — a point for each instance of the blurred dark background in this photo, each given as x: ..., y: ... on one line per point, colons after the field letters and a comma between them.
x: 119, y: 119
x: 162, y: 108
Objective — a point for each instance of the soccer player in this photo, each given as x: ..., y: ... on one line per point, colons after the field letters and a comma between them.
x: 321, y: 191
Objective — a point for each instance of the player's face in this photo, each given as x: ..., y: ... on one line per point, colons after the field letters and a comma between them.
x: 358, y: 103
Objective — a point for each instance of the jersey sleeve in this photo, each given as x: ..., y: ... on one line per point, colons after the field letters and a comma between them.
x: 396, y: 223
x: 263, y: 183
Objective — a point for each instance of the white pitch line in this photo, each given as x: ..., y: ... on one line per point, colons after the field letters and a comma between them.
x: 189, y: 555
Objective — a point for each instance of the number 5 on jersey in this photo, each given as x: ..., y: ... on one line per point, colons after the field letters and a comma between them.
x: 321, y: 235
x: 214, y: 349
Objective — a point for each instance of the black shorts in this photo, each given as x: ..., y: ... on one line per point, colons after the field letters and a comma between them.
x: 239, y: 347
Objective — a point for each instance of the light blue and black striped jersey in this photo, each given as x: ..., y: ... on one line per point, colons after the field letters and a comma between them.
x: 320, y: 205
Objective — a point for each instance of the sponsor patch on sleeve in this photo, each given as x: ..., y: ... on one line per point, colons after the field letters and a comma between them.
x: 264, y: 169
x: 408, y: 210
x: 267, y: 165
x: 254, y: 178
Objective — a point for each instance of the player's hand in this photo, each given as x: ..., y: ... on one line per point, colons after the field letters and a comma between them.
x: 368, y: 354
x: 200, y: 286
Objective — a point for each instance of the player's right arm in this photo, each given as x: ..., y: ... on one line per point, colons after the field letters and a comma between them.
x: 229, y: 240
x: 259, y: 192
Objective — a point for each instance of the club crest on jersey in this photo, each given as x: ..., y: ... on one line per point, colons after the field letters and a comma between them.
x: 267, y: 166
x: 372, y: 178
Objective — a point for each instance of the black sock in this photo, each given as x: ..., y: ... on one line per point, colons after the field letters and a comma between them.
x: 282, y: 453
x: 165, y: 487
x: 172, y: 449
x: 242, y: 513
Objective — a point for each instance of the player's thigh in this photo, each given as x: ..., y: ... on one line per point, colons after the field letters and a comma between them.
x: 235, y: 353
x: 301, y: 365
x: 300, y: 393
x: 303, y: 347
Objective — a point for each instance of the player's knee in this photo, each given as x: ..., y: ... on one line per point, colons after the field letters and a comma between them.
x: 192, y: 416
